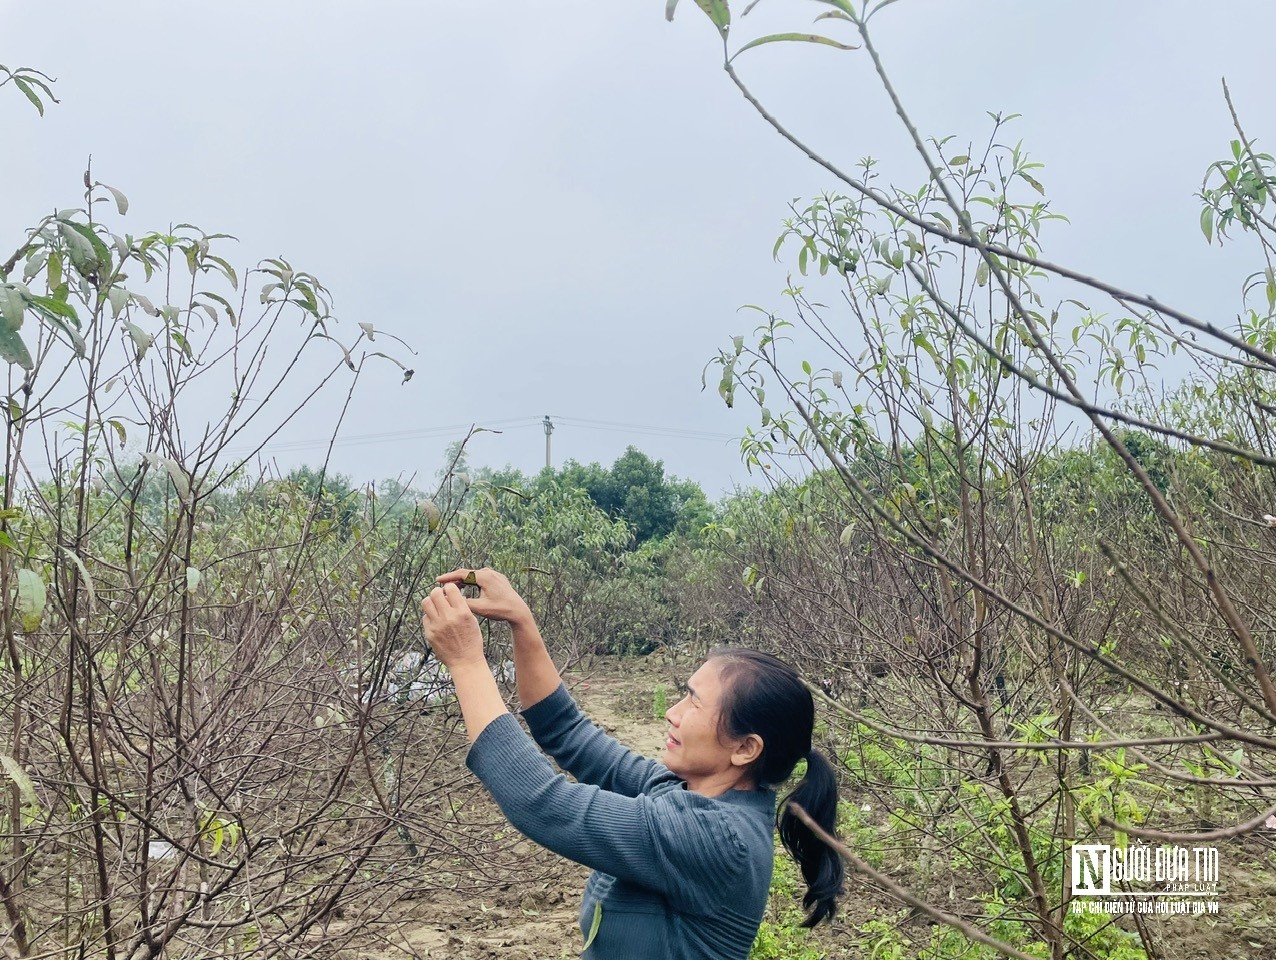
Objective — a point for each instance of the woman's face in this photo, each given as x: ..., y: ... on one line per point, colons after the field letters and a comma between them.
x: 693, y: 749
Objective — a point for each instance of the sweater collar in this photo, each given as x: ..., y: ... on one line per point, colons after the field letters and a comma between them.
x: 760, y: 799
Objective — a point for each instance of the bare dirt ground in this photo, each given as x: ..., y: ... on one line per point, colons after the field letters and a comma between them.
x: 525, y: 906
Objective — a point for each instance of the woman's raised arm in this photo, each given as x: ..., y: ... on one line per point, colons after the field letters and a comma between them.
x: 557, y: 723
x: 498, y: 600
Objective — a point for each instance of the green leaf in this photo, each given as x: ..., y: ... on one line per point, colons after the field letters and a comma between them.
x: 80, y: 248
x: 119, y: 431
x: 1033, y: 183
x: 345, y: 352
x: 981, y: 274
x: 35, y: 263
x: 880, y: 6
x: 118, y: 298
x: 84, y: 573
x: 31, y: 599
x: 12, y: 306
x: 14, y: 771
x: 55, y: 311
x: 230, y: 311
x: 308, y: 301
x: 181, y: 341
x: 30, y: 94
x: 432, y: 515
x: 141, y: 339
x: 795, y: 38
x: 13, y: 350
x: 226, y: 268
x: 594, y: 925
x: 726, y: 386
x: 174, y: 470
x: 454, y: 538
x: 121, y: 201
x: 101, y: 252
x: 959, y: 161
x: 921, y: 341
x: 59, y: 308
x: 145, y: 303
x: 55, y: 270
x: 718, y: 12
x: 1207, y: 224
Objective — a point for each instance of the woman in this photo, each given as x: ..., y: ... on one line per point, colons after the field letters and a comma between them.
x: 682, y: 849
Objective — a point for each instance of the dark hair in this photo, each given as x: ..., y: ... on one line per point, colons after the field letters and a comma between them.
x: 764, y: 695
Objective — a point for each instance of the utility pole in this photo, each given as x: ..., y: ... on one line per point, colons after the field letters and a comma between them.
x: 549, y: 428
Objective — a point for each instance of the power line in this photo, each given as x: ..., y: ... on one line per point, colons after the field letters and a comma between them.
x: 648, y: 429
x: 361, y: 439
x: 508, y: 423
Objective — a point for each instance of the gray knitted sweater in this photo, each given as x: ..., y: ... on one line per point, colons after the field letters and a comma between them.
x: 676, y: 874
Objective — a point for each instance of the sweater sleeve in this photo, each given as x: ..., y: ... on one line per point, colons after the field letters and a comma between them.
x: 677, y: 843
x: 582, y: 749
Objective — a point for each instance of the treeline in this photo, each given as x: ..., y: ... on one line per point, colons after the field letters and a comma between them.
x: 626, y: 559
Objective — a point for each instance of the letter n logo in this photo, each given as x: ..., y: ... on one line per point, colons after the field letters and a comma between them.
x: 1091, y: 869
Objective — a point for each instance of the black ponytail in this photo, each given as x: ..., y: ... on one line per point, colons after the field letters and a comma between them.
x: 764, y: 695
x: 820, y: 864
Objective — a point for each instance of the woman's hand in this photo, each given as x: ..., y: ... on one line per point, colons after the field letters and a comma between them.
x: 537, y: 675
x: 453, y: 634
x: 497, y: 599
x: 450, y: 627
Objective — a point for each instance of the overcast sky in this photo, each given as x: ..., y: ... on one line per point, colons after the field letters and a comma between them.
x: 560, y: 204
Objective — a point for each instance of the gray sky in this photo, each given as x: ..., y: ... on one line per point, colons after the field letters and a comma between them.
x: 561, y: 204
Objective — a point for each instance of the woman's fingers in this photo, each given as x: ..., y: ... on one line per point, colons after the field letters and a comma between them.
x: 443, y: 604
x: 448, y: 596
x: 453, y: 597
x: 450, y: 627
x: 427, y: 606
x: 484, y: 577
x: 498, y: 599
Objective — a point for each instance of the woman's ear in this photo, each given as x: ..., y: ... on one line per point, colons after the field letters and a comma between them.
x: 747, y: 751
